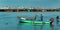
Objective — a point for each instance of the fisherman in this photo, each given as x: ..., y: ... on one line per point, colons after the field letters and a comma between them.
x: 51, y: 21
x: 22, y: 18
x: 41, y: 17
x: 57, y: 18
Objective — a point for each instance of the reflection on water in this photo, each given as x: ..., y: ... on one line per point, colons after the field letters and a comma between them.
x: 52, y: 27
x: 23, y: 26
x: 35, y: 27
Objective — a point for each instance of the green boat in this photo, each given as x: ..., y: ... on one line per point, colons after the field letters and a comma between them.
x: 23, y: 20
x: 33, y: 22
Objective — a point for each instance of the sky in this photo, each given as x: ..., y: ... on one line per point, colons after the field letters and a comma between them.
x: 31, y: 3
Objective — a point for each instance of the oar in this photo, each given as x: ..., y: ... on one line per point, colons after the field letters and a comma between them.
x: 35, y: 17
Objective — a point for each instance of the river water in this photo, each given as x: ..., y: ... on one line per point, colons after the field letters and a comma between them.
x: 8, y: 21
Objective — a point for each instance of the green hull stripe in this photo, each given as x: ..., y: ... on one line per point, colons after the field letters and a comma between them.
x: 35, y: 22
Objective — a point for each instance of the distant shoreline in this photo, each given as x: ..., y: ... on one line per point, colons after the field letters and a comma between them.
x: 29, y: 10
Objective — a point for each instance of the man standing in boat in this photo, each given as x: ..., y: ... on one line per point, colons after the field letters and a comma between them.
x: 41, y: 17
x: 57, y: 19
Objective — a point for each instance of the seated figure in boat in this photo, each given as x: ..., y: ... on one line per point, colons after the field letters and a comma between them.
x: 27, y: 18
x: 24, y: 18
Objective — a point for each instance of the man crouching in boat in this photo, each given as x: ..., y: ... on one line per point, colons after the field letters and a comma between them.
x: 27, y: 18
x: 22, y: 18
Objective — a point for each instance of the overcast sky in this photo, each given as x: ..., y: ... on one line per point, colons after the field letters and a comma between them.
x: 31, y: 3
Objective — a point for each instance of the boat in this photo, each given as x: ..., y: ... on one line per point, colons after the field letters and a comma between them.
x: 23, y: 20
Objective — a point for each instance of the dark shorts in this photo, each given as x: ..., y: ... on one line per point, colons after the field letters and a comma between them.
x: 51, y: 23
